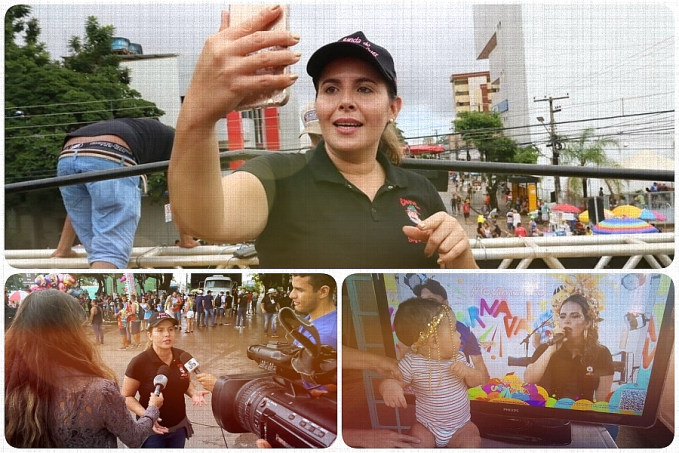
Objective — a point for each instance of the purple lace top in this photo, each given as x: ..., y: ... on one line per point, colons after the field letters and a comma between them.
x: 90, y: 412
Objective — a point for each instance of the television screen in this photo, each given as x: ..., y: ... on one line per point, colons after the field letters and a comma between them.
x: 584, y: 347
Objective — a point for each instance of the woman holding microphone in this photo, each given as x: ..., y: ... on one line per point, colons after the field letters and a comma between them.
x: 173, y: 427
x: 58, y: 391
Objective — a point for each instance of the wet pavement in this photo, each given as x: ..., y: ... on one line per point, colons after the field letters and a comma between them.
x: 219, y: 350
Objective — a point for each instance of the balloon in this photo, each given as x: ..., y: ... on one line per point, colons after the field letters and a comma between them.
x: 40, y: 280
x: 69, y: 280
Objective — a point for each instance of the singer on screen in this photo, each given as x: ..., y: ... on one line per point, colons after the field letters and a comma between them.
x: 573, y: 364
x: 160, y: 368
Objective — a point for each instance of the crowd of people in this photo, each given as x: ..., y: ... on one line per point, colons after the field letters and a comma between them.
x: 200, y: 309
x: 69, y: 353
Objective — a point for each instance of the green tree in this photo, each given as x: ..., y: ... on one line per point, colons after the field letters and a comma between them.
x: 272, y: 280
x: 46, y: 99
x: 589, y: 150
x: 14, y: 283
x: 483, y: 130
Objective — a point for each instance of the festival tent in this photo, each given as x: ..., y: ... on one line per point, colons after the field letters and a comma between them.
x: 645, y: 160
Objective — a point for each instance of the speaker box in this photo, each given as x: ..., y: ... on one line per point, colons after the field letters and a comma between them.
x: 595, y: 209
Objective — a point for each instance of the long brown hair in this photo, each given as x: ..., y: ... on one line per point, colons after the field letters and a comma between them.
x: 591, y: 340
x: 46, y: 334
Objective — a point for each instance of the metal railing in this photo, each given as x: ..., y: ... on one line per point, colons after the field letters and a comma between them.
x: 584, y: 252
x: 653, y: 250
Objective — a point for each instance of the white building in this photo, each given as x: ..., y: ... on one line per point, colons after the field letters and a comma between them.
x: 613, y: 65
x: 156, y: 78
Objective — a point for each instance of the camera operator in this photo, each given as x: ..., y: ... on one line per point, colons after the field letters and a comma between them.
x: 313, y: 294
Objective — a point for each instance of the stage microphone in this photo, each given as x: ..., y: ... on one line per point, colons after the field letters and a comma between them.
x: 189, y: 362
x: 557, y: 338
x: 160, y: 381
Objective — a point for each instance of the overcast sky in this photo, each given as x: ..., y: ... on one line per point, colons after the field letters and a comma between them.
x: 429, y: 42
x: 597, y: 54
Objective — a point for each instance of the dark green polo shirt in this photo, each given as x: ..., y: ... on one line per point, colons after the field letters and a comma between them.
x: 144, y: 368
x: 317, y: 219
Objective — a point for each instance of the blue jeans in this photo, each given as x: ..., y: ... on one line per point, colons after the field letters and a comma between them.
x: 178, y: 317
x: 98, y: 333
x: 270, y: 318
x: 104, y: 214
x: 176, y: 439
x: 240, y: 316
x: 209, y: 315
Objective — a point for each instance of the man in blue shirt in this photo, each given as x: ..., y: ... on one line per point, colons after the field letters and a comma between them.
x: 200, y: 311
x: 314, y: 294
x: 209, y: 311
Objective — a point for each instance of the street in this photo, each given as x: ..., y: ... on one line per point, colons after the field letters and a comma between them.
x: 219, y: 350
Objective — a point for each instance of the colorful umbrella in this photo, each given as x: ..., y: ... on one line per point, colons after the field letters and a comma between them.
x: 584, y: 215
x: 646, y: 214
x: 627, y: 210
x: 18, y: 296
x: 618, y: 225
x: 659, y: 216
x: 566, y: 208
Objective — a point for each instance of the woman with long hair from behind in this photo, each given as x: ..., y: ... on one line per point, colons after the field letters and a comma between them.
x: 58, y: 391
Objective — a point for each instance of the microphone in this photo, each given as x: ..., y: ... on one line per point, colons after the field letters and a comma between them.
x: 189, y: 362
x: 160, y: 381
x: 557, y: 338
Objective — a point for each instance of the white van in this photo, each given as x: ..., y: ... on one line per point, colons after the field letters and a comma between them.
x: 217, y: 284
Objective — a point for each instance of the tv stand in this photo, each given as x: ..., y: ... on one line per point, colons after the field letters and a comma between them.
x: 582, y: 435
x: 524, y: 431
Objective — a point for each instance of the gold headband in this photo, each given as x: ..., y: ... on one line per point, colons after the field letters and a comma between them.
x: 431, y: 328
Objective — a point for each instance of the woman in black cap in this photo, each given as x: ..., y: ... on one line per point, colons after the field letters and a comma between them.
x: 344, y: 204
x: 161, y: 357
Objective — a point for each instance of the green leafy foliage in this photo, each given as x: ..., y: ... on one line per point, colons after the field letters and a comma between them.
x: 45, y: 99
x: 483, y: 130
x: 589, y: 150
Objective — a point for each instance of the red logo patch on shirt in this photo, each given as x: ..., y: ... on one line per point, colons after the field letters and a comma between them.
x: 412, y: 210
x: 184, y: 374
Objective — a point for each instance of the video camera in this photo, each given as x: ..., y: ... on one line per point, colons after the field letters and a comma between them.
x: 276, y: 404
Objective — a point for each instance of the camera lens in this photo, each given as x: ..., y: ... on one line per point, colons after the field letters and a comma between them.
x: 249, y: 398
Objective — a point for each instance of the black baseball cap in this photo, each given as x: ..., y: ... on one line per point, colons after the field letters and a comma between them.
x: 156, y: 318
x: 357, y: 46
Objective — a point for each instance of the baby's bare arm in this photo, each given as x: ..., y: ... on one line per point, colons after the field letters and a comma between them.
x: 392, y: 393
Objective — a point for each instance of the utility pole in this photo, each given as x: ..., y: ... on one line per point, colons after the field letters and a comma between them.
x: 553, y: 139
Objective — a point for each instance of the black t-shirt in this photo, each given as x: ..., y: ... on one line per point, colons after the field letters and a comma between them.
x: 149, y: 140
x: 566, y: 377
x: 243, y: 300
x: 317, y: 219
x: 269, y: 304
x: 207, y: 302
x: 144, y: 368
x: 228, y: 301
x: 285, y: 301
